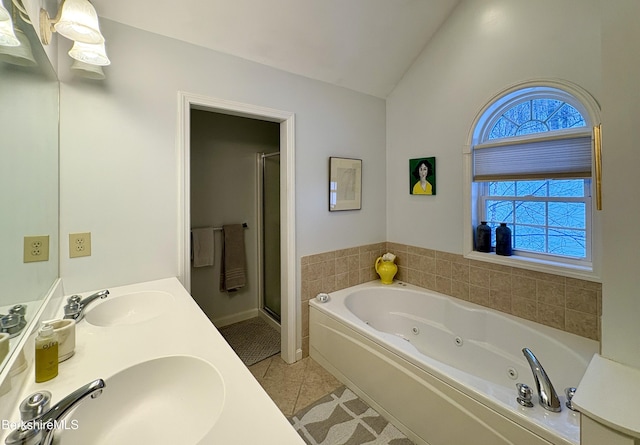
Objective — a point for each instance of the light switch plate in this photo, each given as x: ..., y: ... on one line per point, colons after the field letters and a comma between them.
x: 79, y: 244
x: 36, y: 248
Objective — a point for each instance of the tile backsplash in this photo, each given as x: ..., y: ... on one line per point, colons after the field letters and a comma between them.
x: 568, y: 304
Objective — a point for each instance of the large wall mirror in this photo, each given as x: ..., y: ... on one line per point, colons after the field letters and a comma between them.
x: 29, y: 110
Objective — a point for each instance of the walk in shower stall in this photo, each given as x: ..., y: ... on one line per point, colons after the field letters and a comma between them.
x: 269, y: 233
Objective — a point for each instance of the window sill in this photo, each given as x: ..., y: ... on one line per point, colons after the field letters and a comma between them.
x: 538, y: 265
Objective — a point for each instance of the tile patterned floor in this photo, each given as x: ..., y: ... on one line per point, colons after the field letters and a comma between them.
x: 296, y: 386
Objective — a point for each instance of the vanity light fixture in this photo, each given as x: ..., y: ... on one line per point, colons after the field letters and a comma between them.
x: 93, y: 54
x: 4, y: 12
x: 76, y: 20
x: 18, y: 55
x: 7, y: 34
x: 86, y: 70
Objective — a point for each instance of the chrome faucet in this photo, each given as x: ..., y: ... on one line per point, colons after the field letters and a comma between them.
x: 40, y: 430
x: 74, y: 309
x: 546, y: 393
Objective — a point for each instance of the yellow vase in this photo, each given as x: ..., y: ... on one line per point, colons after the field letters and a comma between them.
x: 387, y: 270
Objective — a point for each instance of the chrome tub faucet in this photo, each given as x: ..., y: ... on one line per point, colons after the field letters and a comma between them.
x: 74, y: 309
x: 39, y: 422
x: 546, y: 393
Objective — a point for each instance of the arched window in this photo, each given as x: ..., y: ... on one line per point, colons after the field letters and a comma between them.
x: 531, y: 168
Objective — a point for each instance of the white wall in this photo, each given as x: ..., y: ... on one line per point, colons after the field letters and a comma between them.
x: 118, y: 161
x: 486, y: 46
x: 483, y: 47
x: 620, y: 163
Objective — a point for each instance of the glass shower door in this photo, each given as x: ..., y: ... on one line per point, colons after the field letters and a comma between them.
x: 271, y: 234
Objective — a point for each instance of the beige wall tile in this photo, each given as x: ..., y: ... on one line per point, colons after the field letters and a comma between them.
x: 354, y: 278
x: 428, y: 280
x: 551, y: 315
x: 500, y: 300
x: 523, y: 287
x: 341, y: 264
x: 329, y: 284
x: 443, y: 267
x: 328, y: 267
x: 479, y: 295
x: 526, y: 308
x: 546, y: 277
x: 421, y: 251
x: 583, y: 284
x: 342, y: 280
x: 428, y: 264
x: 446, y: 256
x: 396, y: 248
x: 565, y: 303
x: 500, y: 282
x: 460, y: 290
x: 347, y: 252
x: 582, y: 324
x: 353, y: 262
x: 443, y: 285
x: 460, y: 271
x: 315, y: 287
x: 479, y: 276
x: 320, y: 257
x: 583, y: 300
x: 550, y: 293
x: 305, y: 319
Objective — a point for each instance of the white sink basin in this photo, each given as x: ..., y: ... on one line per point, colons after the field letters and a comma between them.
x: 170, y: 400
x: 129, y: 309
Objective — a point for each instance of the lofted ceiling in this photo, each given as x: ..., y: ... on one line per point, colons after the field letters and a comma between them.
x: 364, y: 45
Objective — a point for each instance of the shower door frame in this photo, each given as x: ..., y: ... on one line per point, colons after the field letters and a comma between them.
x: 290, y: 335
x: 261, y: 260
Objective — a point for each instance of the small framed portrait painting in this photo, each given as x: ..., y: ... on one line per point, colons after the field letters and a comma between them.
x: 422, y: 176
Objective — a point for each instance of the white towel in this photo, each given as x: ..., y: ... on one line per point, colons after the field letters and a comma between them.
x: 202, y: 243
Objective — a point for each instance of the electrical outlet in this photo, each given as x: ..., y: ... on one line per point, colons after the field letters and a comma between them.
x: 36, y: 248
x: 79, y: 244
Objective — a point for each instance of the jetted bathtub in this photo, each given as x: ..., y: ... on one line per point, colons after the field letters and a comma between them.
x: 443, y: 370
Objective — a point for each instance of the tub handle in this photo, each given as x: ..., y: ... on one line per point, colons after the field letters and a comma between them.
x: 570, y: 392
x: 524, y: 395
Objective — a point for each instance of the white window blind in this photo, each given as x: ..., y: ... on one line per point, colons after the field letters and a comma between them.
x: 543, y: 158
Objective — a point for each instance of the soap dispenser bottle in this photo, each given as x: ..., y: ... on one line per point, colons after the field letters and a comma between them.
x: 46, y: 354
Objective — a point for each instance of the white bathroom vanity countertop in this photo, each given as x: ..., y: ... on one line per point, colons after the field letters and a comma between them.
x: 608, y: 393
x: 248, y: 414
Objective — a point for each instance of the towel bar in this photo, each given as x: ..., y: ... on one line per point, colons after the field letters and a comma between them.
x: 243, y: 225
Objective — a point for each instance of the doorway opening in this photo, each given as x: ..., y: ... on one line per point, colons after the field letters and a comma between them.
x: 291, y: 350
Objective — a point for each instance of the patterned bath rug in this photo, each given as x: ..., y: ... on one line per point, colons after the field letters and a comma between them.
x: 252, y: 340
x: 341, y: 418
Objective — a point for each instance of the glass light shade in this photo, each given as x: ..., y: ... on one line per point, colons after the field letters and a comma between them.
x: 7, y: 34
x: 18, y: 55
x: 87, y: 70
x: 93, y: 54
x: 4, y: 14
x: 79, y: 22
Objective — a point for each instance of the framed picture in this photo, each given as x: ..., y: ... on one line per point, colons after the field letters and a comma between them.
x: 345, y: 184
x: 422, y: 176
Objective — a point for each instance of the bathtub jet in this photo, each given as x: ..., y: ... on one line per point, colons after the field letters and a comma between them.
x: 443, y: 369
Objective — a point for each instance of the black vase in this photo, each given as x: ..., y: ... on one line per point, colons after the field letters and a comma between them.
x: 503, y: 240
x: 483, y: 237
